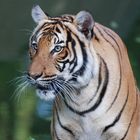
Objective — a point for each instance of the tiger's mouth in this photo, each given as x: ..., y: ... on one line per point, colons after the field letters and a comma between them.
x: 49, y: 89
x: 45, y: 92
x: 44, y: 89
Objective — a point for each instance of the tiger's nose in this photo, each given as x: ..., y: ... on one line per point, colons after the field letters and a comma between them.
x: 35, y: 76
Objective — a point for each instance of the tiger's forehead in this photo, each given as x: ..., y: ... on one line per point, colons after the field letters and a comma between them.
x: 50, y: 26
x: 41, y: 30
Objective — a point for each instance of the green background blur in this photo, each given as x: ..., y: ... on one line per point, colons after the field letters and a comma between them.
x: 18, y: 117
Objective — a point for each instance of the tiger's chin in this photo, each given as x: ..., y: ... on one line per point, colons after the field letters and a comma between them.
x: 46, y: 95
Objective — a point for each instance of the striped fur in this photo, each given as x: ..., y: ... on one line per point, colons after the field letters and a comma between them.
x: 84, y: 67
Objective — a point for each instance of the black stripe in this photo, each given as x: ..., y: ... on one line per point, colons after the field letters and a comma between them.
x: 46, y: 29
x: 39, y: 29
x: 58, y: 67
x: 84, y: 54
x: 56, y: 37
x: 131, y: 119
x: 99, y: 83
x: 92, y: 33
x: 100, y: 77
x: 49, y: 76
x: 61, y: 25
x: 103, y: 91
x: 54, y: 133
x: 61, y: 68
x: 119, y: 64
x: 110, y: 35
x: 107, y: 33
x: 57, y: 30
x: 118, y: 91
x: 106, y: 38
x: 119, y: 88
x: 57, y: 138
x: 102, y: 35
x: 73, y: 43
x: 117, y: 117
x: 62, y: 126
x: 96, y: 38
x: 70, y: 18
x: 98, y: 102
x: 36, y: 33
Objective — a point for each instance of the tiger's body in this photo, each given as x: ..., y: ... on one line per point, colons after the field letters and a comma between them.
x: 88, y: 75
x: 102, y: 117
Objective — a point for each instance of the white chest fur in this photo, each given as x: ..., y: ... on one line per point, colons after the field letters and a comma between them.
x: 90, y: 130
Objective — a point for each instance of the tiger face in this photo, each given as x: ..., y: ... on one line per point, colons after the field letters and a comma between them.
x: 61, y: 59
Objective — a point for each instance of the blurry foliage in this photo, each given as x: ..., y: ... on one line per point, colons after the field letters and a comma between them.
x: 133, y: 45
x: 41, y: 137
x: 24, y: 110
x: 18, y: 119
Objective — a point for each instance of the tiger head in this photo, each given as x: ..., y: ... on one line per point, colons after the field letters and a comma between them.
x: 61, y: 52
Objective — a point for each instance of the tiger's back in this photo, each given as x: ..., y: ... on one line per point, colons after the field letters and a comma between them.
x: 127, y: 94
x: 84, y: 67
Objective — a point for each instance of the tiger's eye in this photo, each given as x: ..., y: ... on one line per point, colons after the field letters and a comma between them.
x: 58, y: 48
x: 34, y: 45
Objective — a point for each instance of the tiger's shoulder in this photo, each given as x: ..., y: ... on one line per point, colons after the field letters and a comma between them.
x: 105, y: 39
x: 105, y: 34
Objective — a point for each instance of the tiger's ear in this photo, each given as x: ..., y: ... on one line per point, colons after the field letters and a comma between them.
x: 38, y: 14
x: 85, y: 23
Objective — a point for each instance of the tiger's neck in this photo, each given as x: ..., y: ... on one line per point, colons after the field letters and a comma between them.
x: 98, y: 91
x: 82, y: 106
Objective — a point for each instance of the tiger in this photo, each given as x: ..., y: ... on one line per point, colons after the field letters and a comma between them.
x: 83, y: 67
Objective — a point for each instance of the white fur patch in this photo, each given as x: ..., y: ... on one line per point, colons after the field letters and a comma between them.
x: 45, y: 95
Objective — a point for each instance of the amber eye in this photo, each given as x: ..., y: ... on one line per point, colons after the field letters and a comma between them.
x: 58, y: 48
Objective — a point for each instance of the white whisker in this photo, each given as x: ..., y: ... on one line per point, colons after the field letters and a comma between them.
x: 21, y: 84
x: 65, y: 90
x: 58, y: 86
x: 29, y: 32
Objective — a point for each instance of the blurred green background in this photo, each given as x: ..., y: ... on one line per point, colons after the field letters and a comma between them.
x: 18, y: 117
